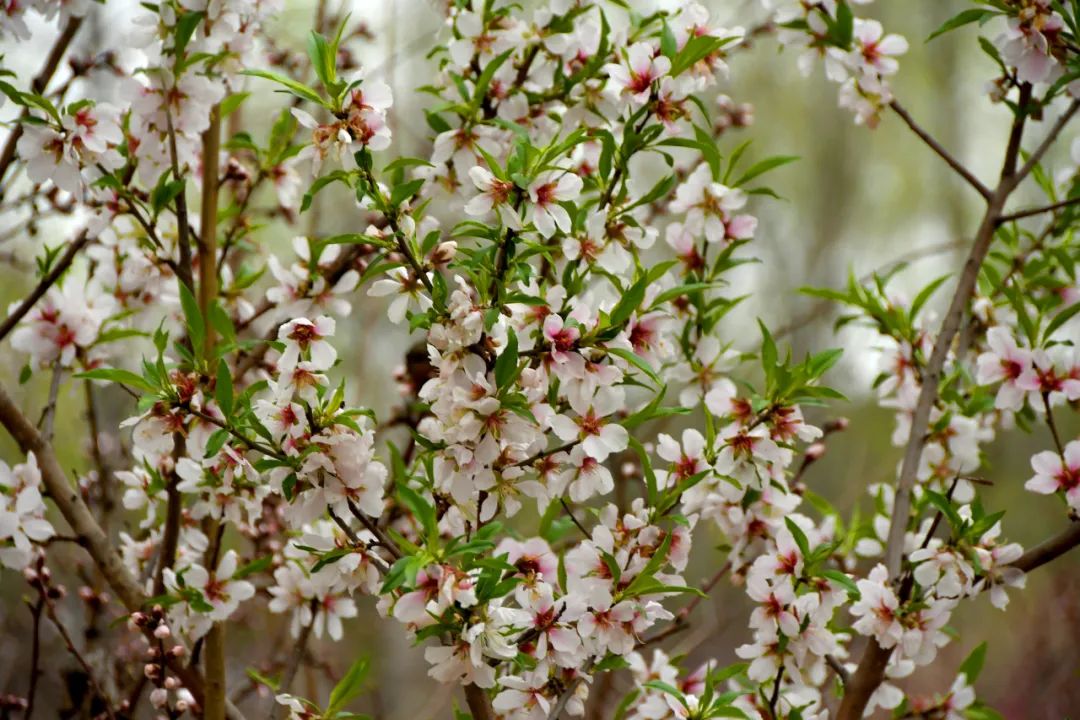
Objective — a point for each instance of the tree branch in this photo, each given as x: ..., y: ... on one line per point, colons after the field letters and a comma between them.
x: 54, y: 274
x: 69, y: 502
x: 941, y: 151
x: 871, y: 670
x: 1021, y: 214
x: 1049, y: 550
x: 1047, y: 142
x: 479, y: 705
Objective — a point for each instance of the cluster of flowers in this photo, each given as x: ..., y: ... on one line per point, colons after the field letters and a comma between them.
x: 13, y: 15
x: 550, y: 327
x: 22, y: 513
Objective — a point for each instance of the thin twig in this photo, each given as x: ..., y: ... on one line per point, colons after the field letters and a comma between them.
x: 568, y: 692
x: 775, y: 697
x: 1048, y: 141
x: 35, y: 654
x: 839, y: 669
x: 69, y: 502
x: 1049, y: 550
x: 1052, y: 425
x: 296, y: 658
x: 184, y: 270
x: 54, y: 274
x: 940, y: 150
x: 50, y: 609
x: 1021, y: 214
x: 570, y: 513
x: 871, y: 669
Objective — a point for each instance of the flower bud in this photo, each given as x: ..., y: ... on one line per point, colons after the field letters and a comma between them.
x: 443, y: 253
x: 159, y: 697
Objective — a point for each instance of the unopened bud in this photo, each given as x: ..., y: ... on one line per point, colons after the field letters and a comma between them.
x: 444, y: 252
x: 162, y: 631
x: 815, y: 451
x: 837, y: 425
x: 159, y: 697
x: 172, y: 683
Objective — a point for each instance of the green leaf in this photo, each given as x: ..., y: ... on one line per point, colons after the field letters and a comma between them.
x: 844, y: 28
x: 216, y: 442
x: 946, y: 507
x: 506, y: 365
x: 926, y: 293
x: 629, y: 302
x: 116, y: 375
x: 298, y: 89
x: 255, y: 566
x: 764, y: 166
x: 680, y: 290
x: 196, y: 326
x: 223, y: 391
x: 186, y: 25
x: 231, y: 103
x: 695, y: 49
x: 844, y: 580
x: 973, y: 664
x: 1060, y: 319
x: 405, y: 190
x: 323, y: 61
x: 637, y: 361
x: 979, y: 15
x: 799, y: 535
x: 486, y: 75
x: 348, y: 687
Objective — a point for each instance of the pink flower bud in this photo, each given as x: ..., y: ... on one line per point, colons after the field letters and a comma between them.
x: 159, y: 697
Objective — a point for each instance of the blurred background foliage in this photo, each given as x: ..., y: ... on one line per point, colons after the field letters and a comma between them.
x: 858, y: 200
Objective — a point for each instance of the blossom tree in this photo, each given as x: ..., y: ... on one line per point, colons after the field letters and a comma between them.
x: 564, y: 257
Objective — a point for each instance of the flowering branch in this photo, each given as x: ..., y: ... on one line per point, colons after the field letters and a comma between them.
x: 38, y: 85
x: 59, y: 267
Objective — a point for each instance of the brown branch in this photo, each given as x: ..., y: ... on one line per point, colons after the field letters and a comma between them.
x: 1048, y: 141
x: 1049, y: 550
x: 479, y: 704
x: 54, y: 274
x: 48, y: 416
x: 69, y: 502
x: 170, y: 536
x: 38, y: 85
x: 1030, y: 212
x: 570, y: 513
x: 871, y: 670
x: 941, y: 151
x: 838, y: 668
x: 35, y: 654
x: 183, y: 270
x: 1053, y: 425
x: 296, y: 658
x: 50, y: 609
x: 214, y: 668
